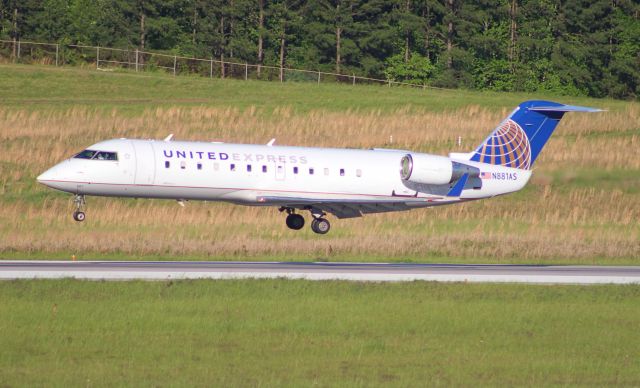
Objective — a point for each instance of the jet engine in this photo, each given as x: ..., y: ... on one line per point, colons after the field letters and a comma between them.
x: 433, y: 170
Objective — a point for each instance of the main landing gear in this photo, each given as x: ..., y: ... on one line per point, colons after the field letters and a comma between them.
x: 295, y: 221
x: 320, y: 225
x: 78, y: 214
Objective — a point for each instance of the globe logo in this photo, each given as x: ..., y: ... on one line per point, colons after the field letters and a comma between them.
x: 507, y: 146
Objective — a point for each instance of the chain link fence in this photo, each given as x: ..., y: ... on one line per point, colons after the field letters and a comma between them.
x: 106, y: 58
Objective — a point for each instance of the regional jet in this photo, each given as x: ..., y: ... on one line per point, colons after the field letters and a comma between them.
x: 343, y: 182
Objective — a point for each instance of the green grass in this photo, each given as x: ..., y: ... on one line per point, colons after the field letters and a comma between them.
x: 47, y: 87
x: 300, y: 333
x: 627, y: 181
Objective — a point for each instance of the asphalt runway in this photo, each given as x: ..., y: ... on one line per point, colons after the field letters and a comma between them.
x: 166, y: 270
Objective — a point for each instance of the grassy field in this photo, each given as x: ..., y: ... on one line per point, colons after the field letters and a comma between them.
x: 582, y: 205
x: 43, y: 88
x: 300, y: 333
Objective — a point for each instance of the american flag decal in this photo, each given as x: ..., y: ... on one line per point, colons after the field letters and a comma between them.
x: 485, y: 175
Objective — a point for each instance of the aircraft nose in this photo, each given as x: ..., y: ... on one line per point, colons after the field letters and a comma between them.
x: 51, y: 175
x: 57, y: 177
x: 45, y: 176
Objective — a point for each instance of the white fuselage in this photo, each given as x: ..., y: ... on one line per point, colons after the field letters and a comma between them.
x: 344, y: 182
x: 244, y: 174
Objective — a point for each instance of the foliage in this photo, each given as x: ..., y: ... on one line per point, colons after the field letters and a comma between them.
x: 581, y: 47
x: 417, y: 70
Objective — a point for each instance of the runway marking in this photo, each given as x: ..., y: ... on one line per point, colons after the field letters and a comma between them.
x: 374, y: 272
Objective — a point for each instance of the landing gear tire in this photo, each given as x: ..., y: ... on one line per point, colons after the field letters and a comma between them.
x: 78, y: 216
x: 79, y: 202
x: 320, y: 225
x: 295, y: 221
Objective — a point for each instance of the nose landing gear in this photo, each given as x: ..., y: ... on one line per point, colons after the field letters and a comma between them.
x: 78, y: 214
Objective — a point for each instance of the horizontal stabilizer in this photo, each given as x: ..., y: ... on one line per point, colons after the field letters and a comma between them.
x: 564, y: 108
x: 457, y: 189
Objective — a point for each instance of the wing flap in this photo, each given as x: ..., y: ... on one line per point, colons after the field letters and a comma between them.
x: 346, y: 208
x: 342, y: 211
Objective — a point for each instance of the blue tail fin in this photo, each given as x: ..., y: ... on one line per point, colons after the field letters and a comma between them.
x: 518, y: 140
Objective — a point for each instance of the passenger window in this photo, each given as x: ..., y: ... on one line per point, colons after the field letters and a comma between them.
x: 233, y: 167
x: 311, y: 171
x: 295, y: 170
x: 183, y: 164
x: 199, y: 166
x: 326, y: 171
x: 342, y: 172
x: 166, y: 164
x: 264, y: 168
x: 248, y: 168
x: 358, y: 173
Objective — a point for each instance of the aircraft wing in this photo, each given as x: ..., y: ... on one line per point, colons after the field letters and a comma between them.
x: 348, y: 208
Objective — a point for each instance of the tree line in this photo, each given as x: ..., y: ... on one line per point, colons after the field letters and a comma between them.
x: 576, y: 47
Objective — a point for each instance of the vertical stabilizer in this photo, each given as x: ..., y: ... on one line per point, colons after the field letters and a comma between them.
x: 518, y: 140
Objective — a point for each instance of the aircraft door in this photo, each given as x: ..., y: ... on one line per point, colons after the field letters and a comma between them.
x: 280, y: 169
x: 145, y: 162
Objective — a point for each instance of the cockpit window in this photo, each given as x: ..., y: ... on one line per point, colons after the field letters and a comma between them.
x: 86, y: 154
x: 102, y: 155
x: 97, y: 155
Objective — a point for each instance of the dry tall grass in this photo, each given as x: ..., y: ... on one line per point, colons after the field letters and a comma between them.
x: 67, y: 131
x: 548, y: 222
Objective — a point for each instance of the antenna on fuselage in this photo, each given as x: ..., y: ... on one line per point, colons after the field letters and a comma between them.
x: 270, y: 143
x: 168, y: 138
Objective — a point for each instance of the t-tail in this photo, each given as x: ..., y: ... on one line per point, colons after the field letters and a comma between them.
x: 518, y: 140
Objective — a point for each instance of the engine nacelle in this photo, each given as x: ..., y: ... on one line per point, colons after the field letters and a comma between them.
x: 433, y: 170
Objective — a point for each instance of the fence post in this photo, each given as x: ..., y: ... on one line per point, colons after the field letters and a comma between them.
x: 211, y: 68
x: 318, y: 78
x: 57, y: 51
x: 175, y: 62
x: 246, y: 71
x: 18, y: 56
x: 97, y: 57
x: 136, y: 60
x: 389, y: 83
x: 354, y: 78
